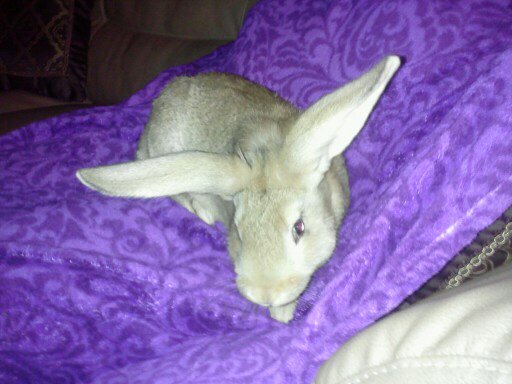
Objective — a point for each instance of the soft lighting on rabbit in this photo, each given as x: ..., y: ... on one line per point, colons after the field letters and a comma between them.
x: 232, y: 151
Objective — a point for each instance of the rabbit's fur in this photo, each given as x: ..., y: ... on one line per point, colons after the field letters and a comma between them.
x: 232, y: 151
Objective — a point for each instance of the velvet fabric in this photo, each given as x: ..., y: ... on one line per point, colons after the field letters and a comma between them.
x: 96, y: 289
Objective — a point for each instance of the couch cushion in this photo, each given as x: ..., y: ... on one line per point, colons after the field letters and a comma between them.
x: 44, y: 47
x: 459, y: 336
x: 192, y: 19
x: 134, y: 40
x: 123, y: 61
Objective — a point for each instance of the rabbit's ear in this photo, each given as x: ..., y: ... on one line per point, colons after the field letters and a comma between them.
x: 169, y: 175
x: 327, y: 127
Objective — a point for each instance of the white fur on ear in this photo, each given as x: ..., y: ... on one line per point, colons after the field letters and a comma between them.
x: 327, y: 128
x: 169, y: 175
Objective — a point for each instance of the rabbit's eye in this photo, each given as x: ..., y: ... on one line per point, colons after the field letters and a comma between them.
x: 298, y: 230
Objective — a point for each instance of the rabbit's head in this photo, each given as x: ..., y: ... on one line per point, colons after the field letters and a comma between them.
x: 280, y: 236
x: 289, y: 197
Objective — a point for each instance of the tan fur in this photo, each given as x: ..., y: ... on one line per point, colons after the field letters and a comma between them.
x: 232, y: 151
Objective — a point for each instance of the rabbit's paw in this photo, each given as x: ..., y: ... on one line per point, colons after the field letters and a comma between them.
x: 284, y: 313
x: 203, y: 211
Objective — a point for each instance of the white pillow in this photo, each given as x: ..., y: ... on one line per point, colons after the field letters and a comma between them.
x: 463, y: 335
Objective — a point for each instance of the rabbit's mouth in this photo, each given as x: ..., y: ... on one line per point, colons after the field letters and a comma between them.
x: 275, y: 295
x: 285, y: 304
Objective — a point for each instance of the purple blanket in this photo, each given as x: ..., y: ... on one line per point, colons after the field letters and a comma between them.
x: 109, y: 290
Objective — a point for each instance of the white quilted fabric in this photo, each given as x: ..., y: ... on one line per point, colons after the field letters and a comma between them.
x: 461, y: 336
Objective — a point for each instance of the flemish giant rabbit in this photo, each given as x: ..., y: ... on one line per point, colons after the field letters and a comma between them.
x: 230, y: 150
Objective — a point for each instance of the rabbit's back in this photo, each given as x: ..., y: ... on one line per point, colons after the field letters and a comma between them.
x: 212, y: 113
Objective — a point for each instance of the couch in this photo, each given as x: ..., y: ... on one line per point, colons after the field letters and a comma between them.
x: 130, y: 43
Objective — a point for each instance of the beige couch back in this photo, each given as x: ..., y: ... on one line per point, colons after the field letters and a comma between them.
x: 132, y: 40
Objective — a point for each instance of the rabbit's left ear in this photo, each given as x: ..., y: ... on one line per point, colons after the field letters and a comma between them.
x: 326, y: 128
x: 169, y: 175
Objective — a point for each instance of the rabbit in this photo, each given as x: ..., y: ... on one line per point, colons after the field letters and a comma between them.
x: 232, y: 151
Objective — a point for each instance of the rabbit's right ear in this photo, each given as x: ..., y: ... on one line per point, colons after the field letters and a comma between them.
x: 326, y: 128
x: 169, y: 175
